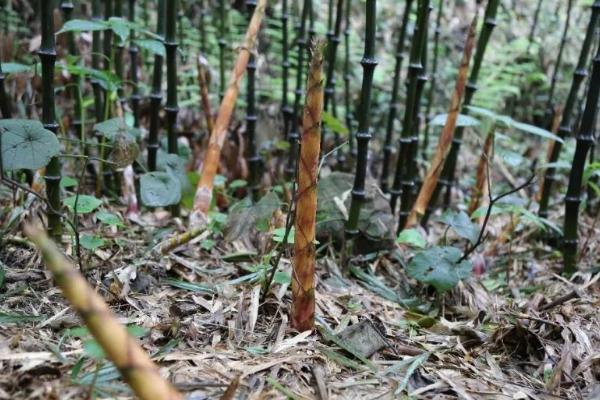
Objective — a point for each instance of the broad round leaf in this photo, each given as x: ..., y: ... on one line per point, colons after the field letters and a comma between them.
x: 26, y: 144
x: 439, y: 267
x: 85, y: 203
x: 159, y: 189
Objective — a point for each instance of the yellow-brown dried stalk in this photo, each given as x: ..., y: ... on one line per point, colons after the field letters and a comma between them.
x: 122, y: 349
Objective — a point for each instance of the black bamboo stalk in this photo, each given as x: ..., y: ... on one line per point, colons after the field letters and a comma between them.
x: 585, y: 141
x: 415, y: 67
x: 536, y: 18
x: 252, y: 156
x: 447, y: 179
x: 119, y: 49
x: 171, y: 107
x: 549, y: 113
x: 389, y: 132
x: 5, y: 103
x: 47, y: 54
x: 222, y: 44
x: 75, y: 85
x: 348, y: 77
x: 285, y: 106
x: 294, y: 133
x: 434, y: 72
x: 203, y: 27
x: 156, y: 94
x: 107, y: 50
x: 133, y: 69
x: 363, y: 135
x: 566, y: 123
x: 333, y: 41
x: 96, y: 56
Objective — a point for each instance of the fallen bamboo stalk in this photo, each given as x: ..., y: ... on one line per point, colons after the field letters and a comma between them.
x: 131, y: 360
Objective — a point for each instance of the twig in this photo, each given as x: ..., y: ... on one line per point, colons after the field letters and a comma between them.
x: 493, y: 200
x: 562, y: 299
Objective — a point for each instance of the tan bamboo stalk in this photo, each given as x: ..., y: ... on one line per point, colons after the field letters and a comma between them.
x: 479, y: 188
x: 447, y: 134
x: 208, y: 171
x: 123, y: 350
x: 303, y: 282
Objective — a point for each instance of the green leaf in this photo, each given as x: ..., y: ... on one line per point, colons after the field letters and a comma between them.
x: 462, y: 120
x: 412, y: 237
x: 109, y: 218
x: 18, y: 318
x: 121, y: 27
x: 85, y: 203
x: 153, y: 46
x: 159, y: 189
x: 93, y: 349
x: 111, y: 128
x: 15, y: 68
x: 334, y: 124
x: 439, y: 267
x: 78, y: 25
x: 91, y: 242
x: 461, y: 224
x: 534, y: 130
x: 67, y: 181
x: 282, y: 278
x: 26, y: 144
x: 279, y: 234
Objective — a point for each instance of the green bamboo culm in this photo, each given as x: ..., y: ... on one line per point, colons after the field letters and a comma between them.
x: 133, y: 69
x: 171, y: 107
x: 156, y: 93
x: 96, y: 56
x: 549, y: 111
x: 333, y: 41
x: 434, y: 73
x: 348, y: 77
x: 252, y: 156
x: 294, y: 133
x: 447, y: 177
x: 566, y: 122
x: 388, y: 147
x: 222, y: 44
x: 585, y: 142
x: 286, y: 109
x: 47, y: 54
x: 363, y: 135
x: 402, y: 180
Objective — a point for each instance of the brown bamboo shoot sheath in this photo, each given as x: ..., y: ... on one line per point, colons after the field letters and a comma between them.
x: 447, y: 134
x: 208, y: 171
x: 303, y: 282
x: 479, y: 189
x: 122, y: 349
x: 202, y: 81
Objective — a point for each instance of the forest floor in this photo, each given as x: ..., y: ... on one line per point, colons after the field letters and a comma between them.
x: 516, y: 330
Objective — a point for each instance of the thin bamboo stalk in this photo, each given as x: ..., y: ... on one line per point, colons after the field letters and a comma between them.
x: 96, y: 55
x: 388, y: 147
x: 303, y: 284
x: 446, y: 136
x: 5, y: 103
x: 415, y: 66
x: 122, y: 349
x: 118, y: 51
x: 286, y: 109
x: 222, y: 44
x: 171, y: 107
x: 133, y: 70
x: 566, y: 124
x: 585, y: 141
x: 294, y: 135
x: 363, y: 135
x: 156, y: 93
x: 47, y: 54
x: 252, y: 156
x: 348, y: 77
x: 203, y: 195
